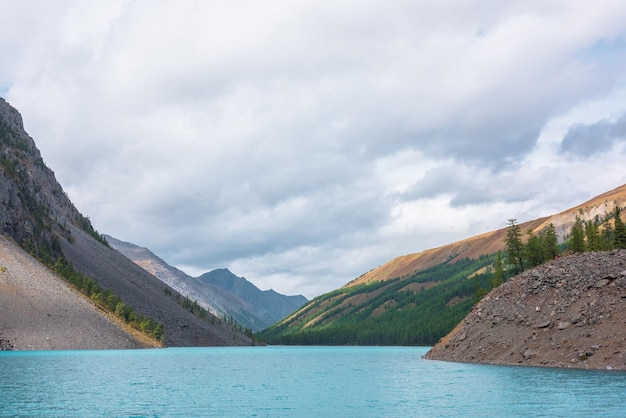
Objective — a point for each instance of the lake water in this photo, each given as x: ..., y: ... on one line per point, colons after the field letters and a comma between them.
x: 293, y: 381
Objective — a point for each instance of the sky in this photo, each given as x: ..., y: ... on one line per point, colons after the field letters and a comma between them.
x: 301, y: 144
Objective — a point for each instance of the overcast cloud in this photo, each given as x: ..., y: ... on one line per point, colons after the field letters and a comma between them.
x: 303, y: 143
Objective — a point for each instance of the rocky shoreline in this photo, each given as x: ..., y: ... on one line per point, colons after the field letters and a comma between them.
x: 570, y: 312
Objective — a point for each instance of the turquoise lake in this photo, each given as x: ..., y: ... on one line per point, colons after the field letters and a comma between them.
x: 294, y: 382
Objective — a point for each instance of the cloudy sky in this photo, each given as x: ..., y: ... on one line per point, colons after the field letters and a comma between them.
x: 302, y: 143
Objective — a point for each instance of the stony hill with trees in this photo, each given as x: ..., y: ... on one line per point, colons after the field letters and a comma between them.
x: 569, y: 312
x: 419, y: 298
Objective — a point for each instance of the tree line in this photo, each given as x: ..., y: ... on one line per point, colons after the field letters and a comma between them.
x: 525, y: 251
x: 109, y: 301
x: 522, y: 253
x: 195, y: 308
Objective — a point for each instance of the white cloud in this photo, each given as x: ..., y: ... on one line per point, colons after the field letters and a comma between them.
x: 303, y: 143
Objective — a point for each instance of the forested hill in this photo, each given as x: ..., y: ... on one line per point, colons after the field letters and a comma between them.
x: 419, y: 298
x: 414, y: 310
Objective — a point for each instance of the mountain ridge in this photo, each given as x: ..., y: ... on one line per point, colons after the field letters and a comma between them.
x: 491, y: 241
x: 219, y: 291
x: 267, y: 304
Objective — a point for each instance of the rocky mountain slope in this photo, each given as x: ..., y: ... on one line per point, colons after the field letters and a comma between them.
x: 33, y: 206
x: 570, y: 312
x: 39, y: 311
x: 39, y: 217
x: 146, y: 294
x: 220, y: 292
x: 267, y: 306
x: 214, y: 299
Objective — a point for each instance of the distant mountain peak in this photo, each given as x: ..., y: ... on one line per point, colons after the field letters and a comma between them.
x: 219, y: 291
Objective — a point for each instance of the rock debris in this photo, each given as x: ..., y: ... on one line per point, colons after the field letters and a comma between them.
x: 570, y: 312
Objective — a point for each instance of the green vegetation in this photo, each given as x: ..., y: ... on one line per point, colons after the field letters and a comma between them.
x: 514, y: 247
x: 414, y: 310
x: 109, y: 301
x: 422, y: 308
x: 85, y: 225
x: 195, y: 308
x: 619, y: 232
x: 191, y: 305
x: 537, y: 250
x: 598, y: 234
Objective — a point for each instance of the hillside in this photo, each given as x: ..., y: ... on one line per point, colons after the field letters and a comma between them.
x: 417, y: 298
x: 266, y: 307
x: 414, y: 310
x: 220, y: 292
x: 145, y: 293
x: 217, y: 301
x: 37, y: 214
x: 493, y: 241
x: 567, y: 313
x: 38, y: 311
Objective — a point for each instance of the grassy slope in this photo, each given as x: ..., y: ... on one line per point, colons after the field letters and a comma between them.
x: 415, y: 298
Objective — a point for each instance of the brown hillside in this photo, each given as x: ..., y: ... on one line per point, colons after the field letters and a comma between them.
x: 491, y: 242
x: 567, y: 313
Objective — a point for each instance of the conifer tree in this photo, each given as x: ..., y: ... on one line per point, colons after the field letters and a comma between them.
x: 607, y: 236
x: 550, y: 243
x: 514, y: 247
x: 533, y: 250
x: 577, y: 236
x: 498, y: 271
x: 620, y: 228
x: 593, y: 237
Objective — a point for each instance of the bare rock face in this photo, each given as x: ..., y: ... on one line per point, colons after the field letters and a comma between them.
x: 570, y: 312
x: 32, y: 202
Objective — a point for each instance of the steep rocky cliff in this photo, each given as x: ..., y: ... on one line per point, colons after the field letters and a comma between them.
x: 37, y: 214
x: 33, y: 206
x: 570, y: 312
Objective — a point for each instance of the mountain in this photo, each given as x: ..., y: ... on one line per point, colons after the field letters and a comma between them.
x: 267, y: 305
x: 36, y: 213
x: 212, y: 298
x: 569, y: 312
x: 220, y: 292
x: 418, y: 298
